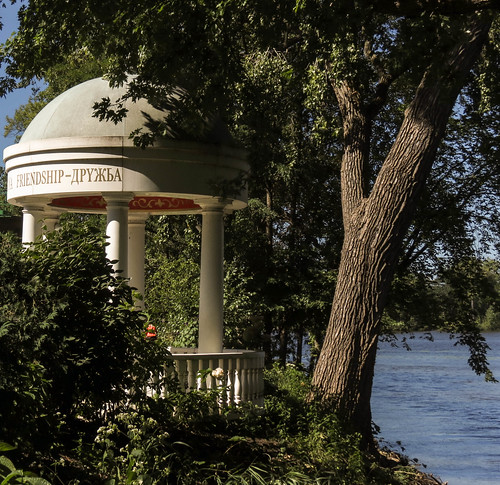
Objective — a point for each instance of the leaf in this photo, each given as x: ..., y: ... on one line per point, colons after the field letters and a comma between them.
x: 14, y: 473
x: 5, y: 462
x: 237, y: 439
x: 5, y: 329
x: 37, y: 481
x: 6, y: 447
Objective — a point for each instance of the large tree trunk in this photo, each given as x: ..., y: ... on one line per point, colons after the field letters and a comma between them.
x: 376, y: 224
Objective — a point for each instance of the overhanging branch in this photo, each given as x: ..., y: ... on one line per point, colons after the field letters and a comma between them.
x: 414, y: 8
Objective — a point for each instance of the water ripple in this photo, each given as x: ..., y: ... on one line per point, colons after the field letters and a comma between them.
x: 443, y: 413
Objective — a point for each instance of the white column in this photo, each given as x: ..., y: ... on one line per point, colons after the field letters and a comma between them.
x: 211, y: 313
x: 32, y: 223
x: 117, y: 230
x: 136, y: 244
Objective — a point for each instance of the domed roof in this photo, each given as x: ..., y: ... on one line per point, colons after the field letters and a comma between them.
x: 71, y: 115
x: 68, y: 159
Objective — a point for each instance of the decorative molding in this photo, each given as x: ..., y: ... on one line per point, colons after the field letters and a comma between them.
x: 139, y: 203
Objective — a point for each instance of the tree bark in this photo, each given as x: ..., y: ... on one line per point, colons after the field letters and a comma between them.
x: 375, y: 225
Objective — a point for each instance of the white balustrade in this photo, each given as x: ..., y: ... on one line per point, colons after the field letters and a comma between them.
x: 242, y: 375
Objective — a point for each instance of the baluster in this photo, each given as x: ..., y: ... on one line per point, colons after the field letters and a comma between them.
x: 237, y: 382
x: 248, y: 380
x: 201, y: 384
x: 191, y: 376
x: 222, y: 365
x: 168, y: 372
x: 244, y: 380
x: 261, y: 381
x: 221, y: 382
x: 210, y: 379
x: 251, y: 379
x: 253, y: 394
x: 230, y: 381
x: 249, y: 369
x: 161, y: 382
x: 182, y: 373
x: 194, y: 377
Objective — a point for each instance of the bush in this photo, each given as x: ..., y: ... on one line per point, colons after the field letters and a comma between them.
x: 71, y: 339
x: 182, y: 438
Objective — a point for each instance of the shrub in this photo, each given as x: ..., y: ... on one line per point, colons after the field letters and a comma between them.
x: 182, y: 438
x: 71, y: 339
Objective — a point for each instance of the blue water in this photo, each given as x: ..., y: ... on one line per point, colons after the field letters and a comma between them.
x: 442, y: 413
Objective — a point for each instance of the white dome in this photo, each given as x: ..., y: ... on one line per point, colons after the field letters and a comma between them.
x: 71, y: 115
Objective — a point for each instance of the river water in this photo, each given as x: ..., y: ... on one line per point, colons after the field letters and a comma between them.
x: 430, y: 401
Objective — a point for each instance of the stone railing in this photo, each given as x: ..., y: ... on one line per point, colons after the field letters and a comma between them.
x: 239, y: 372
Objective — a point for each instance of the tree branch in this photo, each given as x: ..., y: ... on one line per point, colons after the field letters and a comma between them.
x: 414, y: 8
x: 410, y: 159
x: 356, y: 147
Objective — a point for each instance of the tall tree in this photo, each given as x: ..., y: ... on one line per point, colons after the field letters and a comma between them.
x: 415, y: 56
x: 376, y: 221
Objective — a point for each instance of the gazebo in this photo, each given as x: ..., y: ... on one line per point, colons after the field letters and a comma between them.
x: 68, y: 160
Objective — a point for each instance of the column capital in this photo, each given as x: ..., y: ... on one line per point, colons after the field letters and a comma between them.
x: 213, y: 204
x: 117, y: 199
x: 34, y: 205
x: 137, y: 217
x: 51, y: 213
x: 32, y: 209
x: 50, y: 220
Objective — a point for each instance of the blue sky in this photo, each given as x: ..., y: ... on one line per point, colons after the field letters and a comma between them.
x: 13, y: 100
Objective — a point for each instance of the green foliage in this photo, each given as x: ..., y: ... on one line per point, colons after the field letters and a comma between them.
x: 241, y: 327
x: 172, y: 300
x: 22, y: 117
x: 72, y: 340
x: 290, y: 379
x: 182, y: 438
x: 284, y: 265
x: 156, y: 443
x: 186, y: 438
x: 463, y: 300
x: 487, y: 303
x: 6, y: 209
x: 172, y: 278
x: 491, y: 320
x: 270, y: 70
x: 415, y: 305
x: 471, y: 288
x: 311, y: 432
x: 9, y: 474
x: 259, y: 282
